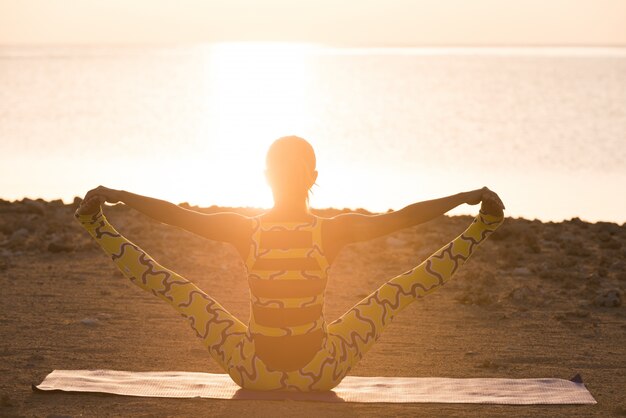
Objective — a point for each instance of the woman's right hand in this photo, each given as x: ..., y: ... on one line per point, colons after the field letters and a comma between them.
x: 94, y: 198
x: 105, y: 194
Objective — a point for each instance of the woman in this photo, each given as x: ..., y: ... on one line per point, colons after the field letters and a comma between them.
x: 287, y: 344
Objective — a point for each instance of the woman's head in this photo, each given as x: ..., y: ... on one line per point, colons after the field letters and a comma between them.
x: 290, y: 167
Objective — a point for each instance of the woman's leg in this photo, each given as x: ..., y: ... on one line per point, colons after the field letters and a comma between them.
x: 219, y: 330
x: 355, y: 332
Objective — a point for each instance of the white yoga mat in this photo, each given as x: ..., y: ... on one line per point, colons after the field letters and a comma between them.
x: 351, y: 389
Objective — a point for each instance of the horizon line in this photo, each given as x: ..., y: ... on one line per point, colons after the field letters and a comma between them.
x: 187, y: 204
x: 25, y: 50
x: 320, y: 43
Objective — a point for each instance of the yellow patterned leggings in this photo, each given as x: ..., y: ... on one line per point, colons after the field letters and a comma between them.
x: 347, y: 339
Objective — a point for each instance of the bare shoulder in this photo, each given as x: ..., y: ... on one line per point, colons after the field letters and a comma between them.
x: 352, y: 227
x: 219, y: 226
x: 237, y: 229
x: 338, y: 231
x: 345, y: 223
x: 348, y: 218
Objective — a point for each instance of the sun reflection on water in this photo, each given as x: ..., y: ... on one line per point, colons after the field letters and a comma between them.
x: 256, y: 92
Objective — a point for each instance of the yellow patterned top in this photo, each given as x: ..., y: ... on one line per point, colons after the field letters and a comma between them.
x: 287, y: 274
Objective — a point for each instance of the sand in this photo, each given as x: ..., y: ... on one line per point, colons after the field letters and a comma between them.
x: 536, y: 300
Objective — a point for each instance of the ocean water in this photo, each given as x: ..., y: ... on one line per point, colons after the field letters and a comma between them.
x: 545, y: 128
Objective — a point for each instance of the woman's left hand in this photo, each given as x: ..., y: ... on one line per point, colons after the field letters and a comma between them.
x: 490, y: 201
x: 89, y: 206
x: 492, y: 204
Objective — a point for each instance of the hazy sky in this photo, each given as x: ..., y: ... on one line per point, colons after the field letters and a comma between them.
x: 338, y: 22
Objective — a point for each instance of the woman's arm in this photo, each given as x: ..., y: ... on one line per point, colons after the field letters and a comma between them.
x: 354, y: 227
x: 223, y: 226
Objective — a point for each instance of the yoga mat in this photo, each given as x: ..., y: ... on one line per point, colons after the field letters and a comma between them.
x: 351, y: 389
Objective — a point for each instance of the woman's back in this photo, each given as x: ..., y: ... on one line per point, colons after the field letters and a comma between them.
x: 287, y: 274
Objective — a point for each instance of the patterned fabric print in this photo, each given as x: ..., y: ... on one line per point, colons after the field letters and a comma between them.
x: 287, y: 278
x: 343, y: 344
x: 287, y: 274
x: 218, y: 329
x: 354, y: 333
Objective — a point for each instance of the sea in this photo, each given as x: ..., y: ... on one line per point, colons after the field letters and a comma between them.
x: 545, y: 128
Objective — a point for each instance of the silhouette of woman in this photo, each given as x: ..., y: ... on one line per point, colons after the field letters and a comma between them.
x: 287, y: 344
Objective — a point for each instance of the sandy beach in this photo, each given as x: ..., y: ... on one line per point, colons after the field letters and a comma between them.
x: 536, y: 300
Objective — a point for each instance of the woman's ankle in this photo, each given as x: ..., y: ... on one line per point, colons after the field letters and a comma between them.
x: 490, y: 220
x: 89, y: 218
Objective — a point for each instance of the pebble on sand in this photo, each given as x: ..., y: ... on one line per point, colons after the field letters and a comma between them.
x: 609, y: 298
x: 522, y: 271
x: 395, y: 242
x: 521, y: 294
x: 90, y: 322
x: 18, y: 237
x: 57, y: 247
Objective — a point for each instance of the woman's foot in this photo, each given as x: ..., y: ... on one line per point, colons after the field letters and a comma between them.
x: 89, y: 206
x: 491, y: 208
